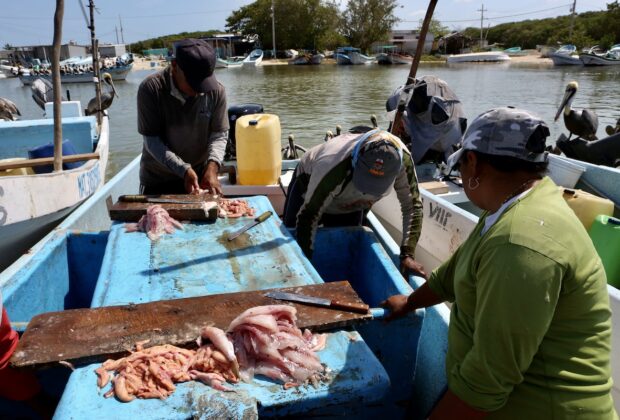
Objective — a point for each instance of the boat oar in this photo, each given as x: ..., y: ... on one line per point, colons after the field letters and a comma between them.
x: 397, y: 125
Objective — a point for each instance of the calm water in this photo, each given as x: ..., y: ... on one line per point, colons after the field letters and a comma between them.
x: 312, y: 99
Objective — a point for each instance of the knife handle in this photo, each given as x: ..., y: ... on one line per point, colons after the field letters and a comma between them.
x: 266, y: 215
x: 361, y: 308
x: 136, y: 198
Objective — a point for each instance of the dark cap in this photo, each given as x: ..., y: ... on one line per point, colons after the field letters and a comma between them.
x: 377, y: 160
x: 197, y: 60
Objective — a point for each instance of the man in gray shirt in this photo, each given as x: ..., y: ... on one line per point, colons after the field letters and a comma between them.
x: 183, y: 118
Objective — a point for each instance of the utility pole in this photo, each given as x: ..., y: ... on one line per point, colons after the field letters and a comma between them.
x: 482, y: 10
x: 572, y: 20
x: 94, y: 44
x: 121, y: 24
x: 273, y: 27
x: 116, y: 29
x: 58, y: 16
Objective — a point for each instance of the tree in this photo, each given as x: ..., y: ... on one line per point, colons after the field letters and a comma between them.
x: 300, y: 24
x: 435, y: 28
x: 368, y: 21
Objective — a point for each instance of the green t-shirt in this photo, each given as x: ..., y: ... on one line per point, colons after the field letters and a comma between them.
x: 530, y: 326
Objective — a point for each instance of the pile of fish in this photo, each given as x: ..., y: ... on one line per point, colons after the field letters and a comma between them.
x: 263, y: 340
x: 234, y: 208
x: 155, y: 223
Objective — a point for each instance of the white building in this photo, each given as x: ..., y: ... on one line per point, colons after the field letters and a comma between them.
x: 406, y: 40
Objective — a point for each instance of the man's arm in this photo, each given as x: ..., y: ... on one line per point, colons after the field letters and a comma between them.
x: 406, y: 186
x: 160, y: 151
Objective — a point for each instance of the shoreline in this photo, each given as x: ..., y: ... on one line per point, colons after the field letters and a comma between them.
x: 532, y: 58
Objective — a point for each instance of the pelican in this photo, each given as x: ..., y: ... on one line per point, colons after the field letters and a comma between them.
x: 42, y: 92
x: 106, y: 98
x: 582, y: 123
x: 8, y: 110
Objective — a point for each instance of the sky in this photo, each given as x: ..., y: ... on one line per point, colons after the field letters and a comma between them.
x: 30, y: 22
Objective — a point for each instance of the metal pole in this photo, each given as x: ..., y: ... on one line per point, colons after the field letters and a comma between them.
x: 95, y: 47
x: 58, y: 15
x: 397, y: 125
x: 572, y: 21
x: 273, y: 27
x: 121, y: 22
x: 482, y: 10
x: 116, y: 29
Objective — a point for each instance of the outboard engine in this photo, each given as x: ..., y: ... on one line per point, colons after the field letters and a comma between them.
x: 234, y: 112
x: 433, y: 118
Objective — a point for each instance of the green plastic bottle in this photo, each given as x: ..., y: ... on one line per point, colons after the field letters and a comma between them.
x: 605, y: 234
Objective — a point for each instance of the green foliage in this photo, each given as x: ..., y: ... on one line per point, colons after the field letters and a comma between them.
x: 368, y: 21
x: 301, y: 24
x: 167, y: 40
x: 602, y: 28
x: 435, y: 28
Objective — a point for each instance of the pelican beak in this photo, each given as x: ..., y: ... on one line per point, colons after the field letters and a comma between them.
x: 567, y: 95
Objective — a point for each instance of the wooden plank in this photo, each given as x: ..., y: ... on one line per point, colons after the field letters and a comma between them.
x: 83, y: 336
x: 204, y: 209
x: 435, y: 187
x: 28, y: 163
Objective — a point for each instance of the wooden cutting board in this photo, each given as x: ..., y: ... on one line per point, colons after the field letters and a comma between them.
x: 82, y: 336
x: 204, y: 209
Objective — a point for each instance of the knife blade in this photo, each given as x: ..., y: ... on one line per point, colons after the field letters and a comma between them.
x: 361, y: 308
x: 266, y: 215
x: 147, y: 199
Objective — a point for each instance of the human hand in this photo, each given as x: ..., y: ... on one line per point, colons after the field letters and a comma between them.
x: 209, y: 181
x: 191, y: 181
x: 410, y: 266
x: 397, y: 306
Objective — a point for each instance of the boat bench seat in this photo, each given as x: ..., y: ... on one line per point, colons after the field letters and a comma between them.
x: 17, y: 137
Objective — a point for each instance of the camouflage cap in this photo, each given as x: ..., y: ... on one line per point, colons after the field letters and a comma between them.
x: 505, y: 131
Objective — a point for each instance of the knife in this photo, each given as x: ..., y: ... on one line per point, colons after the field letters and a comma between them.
x: 361, y: 308
x: 266, y: 215
x: 148, y: 199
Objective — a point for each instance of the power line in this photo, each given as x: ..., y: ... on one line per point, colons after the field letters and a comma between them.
x: 125, y: 17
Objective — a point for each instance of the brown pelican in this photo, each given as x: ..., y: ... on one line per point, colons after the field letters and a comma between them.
x: 106, y: 98
x: 8, y: 110
x: 582, y: 123
x: 611, y: 130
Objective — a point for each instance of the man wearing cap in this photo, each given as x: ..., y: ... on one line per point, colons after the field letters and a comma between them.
x: 530, y: 324
x: 183, y: 119
x: 336, y: 182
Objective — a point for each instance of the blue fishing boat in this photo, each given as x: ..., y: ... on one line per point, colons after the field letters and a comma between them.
x: 394, y: 369
x: 350, y: 55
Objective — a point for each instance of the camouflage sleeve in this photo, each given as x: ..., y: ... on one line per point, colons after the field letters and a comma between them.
x: 406, y: 186
x: 316, y: 202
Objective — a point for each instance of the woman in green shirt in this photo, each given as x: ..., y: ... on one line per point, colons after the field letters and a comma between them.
x: 530, y: 325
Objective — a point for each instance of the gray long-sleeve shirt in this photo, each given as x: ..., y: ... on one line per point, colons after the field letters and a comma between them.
x: 178, y: 131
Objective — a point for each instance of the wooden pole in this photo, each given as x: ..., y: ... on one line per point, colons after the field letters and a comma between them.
x: 95, y: 47
x: 58, y: 15
x: 397, y: 126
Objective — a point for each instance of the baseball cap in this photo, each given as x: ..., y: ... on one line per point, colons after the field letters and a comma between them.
x: 197, y: 60
x: 505, y: 131
x: 377, y: 160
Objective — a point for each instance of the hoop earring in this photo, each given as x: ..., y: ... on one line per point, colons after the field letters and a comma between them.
x: 473, y: 187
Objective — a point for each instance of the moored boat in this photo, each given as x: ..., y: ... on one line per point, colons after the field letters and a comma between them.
x: 255, y: 58
x: 117, y: 73
x: 376, y: 366
x: 565, y: 56
x: 350, y: 55
x: 609, y: 58
x: 224, y: 63
x: 35, y: 199
x: 480, y: 57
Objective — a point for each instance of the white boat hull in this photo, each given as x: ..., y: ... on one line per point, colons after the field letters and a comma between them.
x: 118, y: 73
x: 33, y: 203
x: 565, y: 60
x: 597, y: 60
x: 478, y: 57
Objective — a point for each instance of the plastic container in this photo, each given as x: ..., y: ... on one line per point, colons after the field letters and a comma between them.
x: 605, y: 234
x: 16, y: 171
x: 47, y: 150
x: 259, y: 159
x: 564, y: 172
x: 587, y: 206
x: 235, y: 112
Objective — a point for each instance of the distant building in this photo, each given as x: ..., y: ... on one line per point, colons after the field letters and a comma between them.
x: 456, y: 43
x: 43, y: 53
x: 406, y: 40
x: 112, y: 50
x: 230, y: 45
